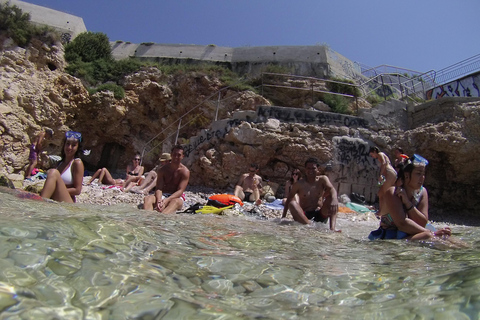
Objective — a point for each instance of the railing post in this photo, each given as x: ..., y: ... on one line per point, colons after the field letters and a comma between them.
x: 400, y: 86
x: 218, y: 105
x: 178, y: 130
x: 383, y: 88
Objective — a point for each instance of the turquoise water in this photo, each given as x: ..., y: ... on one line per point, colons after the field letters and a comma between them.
x: 61, y: 261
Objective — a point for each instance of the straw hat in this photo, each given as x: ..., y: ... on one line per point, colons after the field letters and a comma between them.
x: 165, y: 157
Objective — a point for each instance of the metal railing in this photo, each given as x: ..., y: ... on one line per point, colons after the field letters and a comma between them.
x: 458, y: 70
x: 178, y: 122
x: 312, y: 89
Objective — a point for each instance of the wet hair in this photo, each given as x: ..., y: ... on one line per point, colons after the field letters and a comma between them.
x: 400, y: 149
x: 178, y: 147
x: 79, y: 150
x: 374, y: 150
x: 312, y: 160
x: 405, y: 167
x: 254, y: 165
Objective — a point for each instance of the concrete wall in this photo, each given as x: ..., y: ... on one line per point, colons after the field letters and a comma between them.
x: 434, y: 111
x: 314, y: 61
x: 68, y: 24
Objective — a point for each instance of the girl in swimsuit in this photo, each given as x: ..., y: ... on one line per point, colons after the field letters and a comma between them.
x: 296, y: 175
x: 65, y: 182
x: 407, y: 205
x: 134, y: 173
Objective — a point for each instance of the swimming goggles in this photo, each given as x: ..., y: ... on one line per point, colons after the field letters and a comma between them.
x: 419, y: 160
x: 73, y: 134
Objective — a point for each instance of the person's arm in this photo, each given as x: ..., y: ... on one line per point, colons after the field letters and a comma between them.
x: 158, y: 190
x: 419, y: 213
x: 38, y: 143
x: 241, y: 180
x: 331, y: 193
x: 140, y: 172
x: 292, y: 193
x: 395, y: 209
x: 77, y: 172
x: 288, y: 184
x: 383, y: 163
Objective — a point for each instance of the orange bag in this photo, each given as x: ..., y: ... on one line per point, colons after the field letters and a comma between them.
x: 223, y: 200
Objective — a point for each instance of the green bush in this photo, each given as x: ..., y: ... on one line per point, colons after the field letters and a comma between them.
x: 118, y: 91
x: 15, y: 24
x: 338, y: 103
x: 88, y: 47
x: 343, y: 86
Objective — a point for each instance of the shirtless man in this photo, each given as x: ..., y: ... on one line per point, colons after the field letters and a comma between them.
x: 317, y: 198
x: 249, y: 185
x: 172, y: 180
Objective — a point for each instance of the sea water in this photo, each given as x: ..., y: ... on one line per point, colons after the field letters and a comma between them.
x: 75, y: 261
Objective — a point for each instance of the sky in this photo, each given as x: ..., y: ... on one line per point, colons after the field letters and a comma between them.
x: 419, y: 35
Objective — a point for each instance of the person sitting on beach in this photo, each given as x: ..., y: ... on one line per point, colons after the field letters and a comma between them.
x: 36, y: 149
x: 296, y: 175
x: 316, y: 197
x: 406, y: 206
x: 172, y: 180
x: 151, y: 179
x: 65, y: 182
x: 105, y: 177
x: 249, y: 185
x: 387, y: 177
x: 134, y: 173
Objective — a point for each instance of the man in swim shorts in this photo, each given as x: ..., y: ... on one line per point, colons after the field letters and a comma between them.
x: 249, y: 185
x: 172, y: 180
x: 317, y: 198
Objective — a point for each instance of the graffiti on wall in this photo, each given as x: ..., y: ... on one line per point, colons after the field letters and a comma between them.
x: 208, y: 135
x: 465, y: 87
x: 309, y: 117
x: 351, y: 150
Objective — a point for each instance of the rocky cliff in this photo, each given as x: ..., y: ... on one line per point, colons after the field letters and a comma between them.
x: 35, y: 92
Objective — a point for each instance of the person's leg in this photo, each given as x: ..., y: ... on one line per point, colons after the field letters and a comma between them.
x: 95, y: 175
x: 54, y: 187
x: 173, y: 206
x: 297, y: 212
x: 239, y: 192
x: 325, y: 212
x: 106, y: 177
x: 31, y: 166
x: 149, y: 188
x: 148, y: 202
x: 255, y: 197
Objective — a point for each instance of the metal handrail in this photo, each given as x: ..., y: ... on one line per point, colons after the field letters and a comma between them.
x: 458, y: 70
x: 179, y: 120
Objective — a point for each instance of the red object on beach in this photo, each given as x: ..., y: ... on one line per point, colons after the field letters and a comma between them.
x: 225, y: 199
x: 22, y: 194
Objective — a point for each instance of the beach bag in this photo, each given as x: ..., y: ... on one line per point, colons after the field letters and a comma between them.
x: 223, y: 200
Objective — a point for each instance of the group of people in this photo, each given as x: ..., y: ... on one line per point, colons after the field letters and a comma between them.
x: 403, y: 200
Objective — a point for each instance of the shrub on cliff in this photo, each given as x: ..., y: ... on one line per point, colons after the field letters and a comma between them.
x: 88, y: 47
x: 15, y: 24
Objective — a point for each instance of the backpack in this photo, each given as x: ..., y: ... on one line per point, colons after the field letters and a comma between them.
x: 223, y: 200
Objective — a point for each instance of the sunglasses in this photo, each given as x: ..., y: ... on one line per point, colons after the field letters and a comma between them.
x: 73, y: 135
x: 295, y: 174
x: 137, y: 159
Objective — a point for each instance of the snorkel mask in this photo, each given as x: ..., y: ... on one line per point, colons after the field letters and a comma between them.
x: 73, y: 135
x: 419, y: 160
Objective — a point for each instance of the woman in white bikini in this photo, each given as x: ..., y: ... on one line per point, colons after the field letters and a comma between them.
x: 65, y: 182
